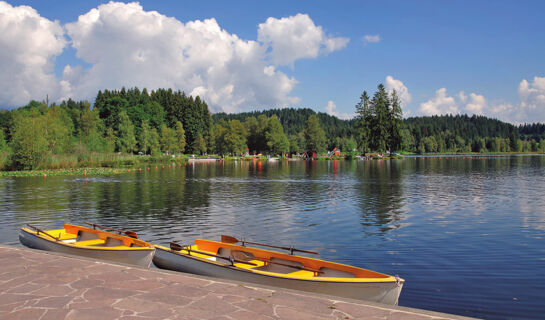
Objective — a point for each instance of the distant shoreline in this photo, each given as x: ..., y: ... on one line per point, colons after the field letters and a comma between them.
x: 97, y: 171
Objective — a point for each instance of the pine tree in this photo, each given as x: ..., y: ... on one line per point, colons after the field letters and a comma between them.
x: 396, y: 123
x: 363, y: 123
x: 380, y: 107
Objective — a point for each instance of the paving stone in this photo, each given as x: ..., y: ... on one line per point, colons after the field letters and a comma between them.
x: 54, y: 290
x: 356, y: 310
x: 94, y: 313
x: 182, y: 290
x: 53, y: 302
x: 290, y: 313
x: 24, y: 314
x: 260, y: 306
x: 305, y: 303
x: 183, y: 279
x: 248, y: 315
x: 55, y: 314
x: 105, y: 293
x: 169, y: 299
x: 26, y: 288
x: 40, y: 285
x: 139, y: 285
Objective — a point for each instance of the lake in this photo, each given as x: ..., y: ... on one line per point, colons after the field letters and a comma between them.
x: 467, y: 233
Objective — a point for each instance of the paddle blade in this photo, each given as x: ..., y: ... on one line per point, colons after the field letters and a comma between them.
x: 176, y: 247
x: 131, y: 234
x: 228, y: 239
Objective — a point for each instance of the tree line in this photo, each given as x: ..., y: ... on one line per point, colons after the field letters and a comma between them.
x: 164, y: 121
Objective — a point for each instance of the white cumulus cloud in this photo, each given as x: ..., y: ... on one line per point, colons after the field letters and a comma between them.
x: 29, y: 44
x: 530, y: 107
x: 441, y: 103
x: 296, y: 37
x: 400, y: 88
x: 331, y: 109
x: 128, y: 46
x: 369, y: 38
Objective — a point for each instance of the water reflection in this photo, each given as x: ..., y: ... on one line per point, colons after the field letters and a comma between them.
x: 451, y: 226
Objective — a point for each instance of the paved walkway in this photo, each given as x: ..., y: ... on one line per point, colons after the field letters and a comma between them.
x: 41, y: 285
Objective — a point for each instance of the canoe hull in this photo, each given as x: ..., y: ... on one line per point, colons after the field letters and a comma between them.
x: 141, y: 258
x: 382, y: 292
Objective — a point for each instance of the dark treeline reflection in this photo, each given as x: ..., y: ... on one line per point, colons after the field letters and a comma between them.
x: 380, y: 195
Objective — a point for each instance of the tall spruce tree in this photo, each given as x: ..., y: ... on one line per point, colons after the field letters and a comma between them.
x: 380, y: 107
x: 396, y: 123
x: 363, y: 123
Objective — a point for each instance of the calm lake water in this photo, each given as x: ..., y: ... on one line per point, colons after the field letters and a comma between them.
x: 466, y: 233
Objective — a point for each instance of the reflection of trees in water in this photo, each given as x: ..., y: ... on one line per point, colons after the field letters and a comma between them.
x: 161, y: 194
x: 380, y: 195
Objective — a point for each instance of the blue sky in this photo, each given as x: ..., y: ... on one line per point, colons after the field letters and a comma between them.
x: 482, y: 57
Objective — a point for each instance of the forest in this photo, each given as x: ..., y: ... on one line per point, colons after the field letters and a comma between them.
x: 166, y: 122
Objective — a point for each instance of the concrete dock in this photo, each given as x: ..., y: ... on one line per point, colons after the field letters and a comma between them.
x: 42, y: 285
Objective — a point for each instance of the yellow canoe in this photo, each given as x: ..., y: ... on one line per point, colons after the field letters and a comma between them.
x: 273, y: 268
x: 91, y: 243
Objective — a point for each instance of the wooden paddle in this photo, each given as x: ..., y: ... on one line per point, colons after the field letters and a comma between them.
x: 229, y: 239
x: 242, y: 256
x: 177, y: 247
x: 38, y: 230
x: 131, y: 234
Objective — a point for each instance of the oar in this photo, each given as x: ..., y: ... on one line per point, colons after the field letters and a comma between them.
x: 131, y: 234
x: 242, y: 256
x: 40, y: 230
x: 177, y: 247
x: 229, y: 239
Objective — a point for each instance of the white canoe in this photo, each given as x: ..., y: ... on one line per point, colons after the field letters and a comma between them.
x: 306, y: 274
x: 90, y: 243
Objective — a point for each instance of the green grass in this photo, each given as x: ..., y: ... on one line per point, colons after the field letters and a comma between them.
x: 88, y: 164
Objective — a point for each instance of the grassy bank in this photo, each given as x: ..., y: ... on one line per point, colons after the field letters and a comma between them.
x: 88, y: 164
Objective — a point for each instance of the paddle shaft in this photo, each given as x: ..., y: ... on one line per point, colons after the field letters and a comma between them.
x: 239, y: 253
x: 38, y: 230
x: 131, y: 234
x: 289, y: 265
x: 189, y: 250
x: 230, y: 239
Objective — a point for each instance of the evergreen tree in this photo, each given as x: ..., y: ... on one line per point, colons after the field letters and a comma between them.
x: 396, y: 123
x: 363, y: 123
x: 380, y: 109
x: 314, y: 135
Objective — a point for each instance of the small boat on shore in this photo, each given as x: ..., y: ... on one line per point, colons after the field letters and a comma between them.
x: 249, y: 264
x: 90, y: 243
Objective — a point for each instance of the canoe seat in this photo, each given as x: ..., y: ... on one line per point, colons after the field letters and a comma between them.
x: 327, y: 272
x: 224, y: 252
x: 271, y: 267
x: 85, y: 235
x: 94, y: 243
x: 113, y: 242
